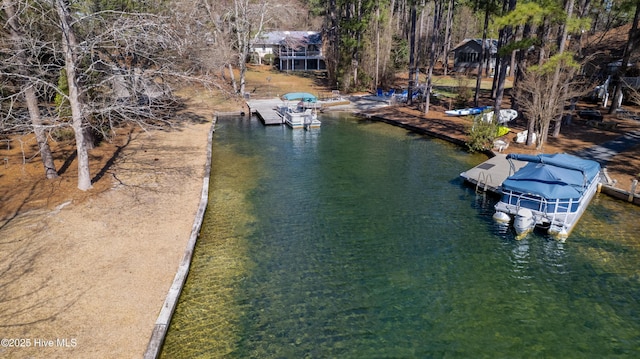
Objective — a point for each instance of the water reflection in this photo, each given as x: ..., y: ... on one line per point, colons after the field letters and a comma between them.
x: 304, y: 140
x: 520, y: 259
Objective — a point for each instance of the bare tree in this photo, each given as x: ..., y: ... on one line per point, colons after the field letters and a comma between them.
x: 110, y: 67
x: 229, y: 28
x: 534, y: 88
x: 70, y: 48
x: 119, y: 71
x: 20, y: 58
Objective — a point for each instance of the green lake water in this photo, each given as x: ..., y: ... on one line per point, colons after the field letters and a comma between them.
x: 359, y: 240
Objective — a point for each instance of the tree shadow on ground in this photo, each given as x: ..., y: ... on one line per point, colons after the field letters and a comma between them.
x: 67, y: 163
x: 25, y: 292
x: 30, y: 194
x: 112, y: 160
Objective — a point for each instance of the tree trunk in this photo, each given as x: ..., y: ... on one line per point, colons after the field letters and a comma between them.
x: 583, y: 9
x: 499, y: 63
x: 29, y: 92
x: 521, y: 60
x: 233, y: 79
x: 69, y: 43
x: 412, y: 47
x: 243, y: 73
x: 41, y: 136
x: 437, y: 21
x: 507, y: 34
x: 482, y: 56
x: 556, y: 77
x: 389, y: 26
x: 242, y: 40
x: 377, y: 79
x: 500, y: 60
x: 628, y: 50
x: 544, y: 131
x: 447, y: 37
x: 531, y: 129
x: 420, y: 45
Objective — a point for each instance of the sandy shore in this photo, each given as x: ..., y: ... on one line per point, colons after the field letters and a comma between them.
x: 87, y: 280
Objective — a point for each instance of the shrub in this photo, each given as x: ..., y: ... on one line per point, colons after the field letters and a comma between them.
x: 254, y: 58
x: 463, y: 93
x: 482, y: 134
x: 268, y: 59
x: 63, y: 134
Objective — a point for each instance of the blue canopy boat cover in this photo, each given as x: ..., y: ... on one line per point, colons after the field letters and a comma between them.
x: 299, y: 96
x: 557, y: 176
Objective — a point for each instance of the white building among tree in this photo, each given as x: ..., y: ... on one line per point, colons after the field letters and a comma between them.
x: 291, y: 50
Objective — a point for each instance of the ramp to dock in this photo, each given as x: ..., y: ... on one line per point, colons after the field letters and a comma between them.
x: 490, y: 174
x: 266, y: 110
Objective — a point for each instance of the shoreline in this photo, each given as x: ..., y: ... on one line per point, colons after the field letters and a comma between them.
x: 608, y: 188
x: 154, y: 347
x: 159, y: 333
x: 99, y: 269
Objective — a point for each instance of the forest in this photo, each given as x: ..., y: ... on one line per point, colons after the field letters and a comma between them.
x: 80, y: 68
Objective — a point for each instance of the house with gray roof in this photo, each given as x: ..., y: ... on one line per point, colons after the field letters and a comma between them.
x: 466, y: 55
x: 292, y: 50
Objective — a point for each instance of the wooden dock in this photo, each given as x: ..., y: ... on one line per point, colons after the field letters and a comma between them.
x: 266, y: 110
x: 489, y: 175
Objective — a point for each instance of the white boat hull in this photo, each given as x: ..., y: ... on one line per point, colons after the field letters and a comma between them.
x: 299, y: 119
x: 559, y: 225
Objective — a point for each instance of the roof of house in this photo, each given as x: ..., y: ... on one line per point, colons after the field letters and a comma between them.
x: 289, y: 37
x: 492, y: 43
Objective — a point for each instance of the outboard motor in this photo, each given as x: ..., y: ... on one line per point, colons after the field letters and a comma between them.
x: 523, y: 222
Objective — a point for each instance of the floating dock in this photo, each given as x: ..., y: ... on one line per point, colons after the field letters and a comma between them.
x: 266, y: 110
x: 489, y: 175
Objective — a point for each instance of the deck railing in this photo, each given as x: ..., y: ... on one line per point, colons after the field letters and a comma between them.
x: 540, y: 204
x: 299, y: 53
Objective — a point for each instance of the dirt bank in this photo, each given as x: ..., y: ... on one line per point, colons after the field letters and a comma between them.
x: 84, y: 275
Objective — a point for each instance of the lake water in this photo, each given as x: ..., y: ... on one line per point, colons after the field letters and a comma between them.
x: 359, y: 240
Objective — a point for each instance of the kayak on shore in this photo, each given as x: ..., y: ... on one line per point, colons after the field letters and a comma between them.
x: 468, y: 111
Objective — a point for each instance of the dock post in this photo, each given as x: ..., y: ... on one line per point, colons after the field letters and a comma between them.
x: 632, y: 192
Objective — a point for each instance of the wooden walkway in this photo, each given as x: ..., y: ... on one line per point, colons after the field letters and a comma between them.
x: 490, y: 174
x: 266, y: 110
